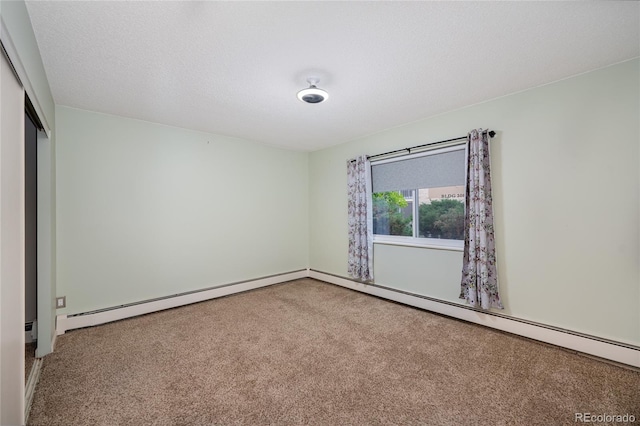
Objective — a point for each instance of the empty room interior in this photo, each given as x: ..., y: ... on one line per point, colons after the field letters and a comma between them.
x: 319, y: 212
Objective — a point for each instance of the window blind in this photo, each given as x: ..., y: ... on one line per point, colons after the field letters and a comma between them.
x: 429, y: 171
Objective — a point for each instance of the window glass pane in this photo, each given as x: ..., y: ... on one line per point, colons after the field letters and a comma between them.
x: 441, y: 212
x: 393, y: 213
x: 420, y: 196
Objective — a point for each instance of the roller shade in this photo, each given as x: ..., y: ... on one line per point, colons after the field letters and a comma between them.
x: 429, y: 171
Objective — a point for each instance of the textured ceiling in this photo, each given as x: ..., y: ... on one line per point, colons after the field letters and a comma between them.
x: 233, y: 68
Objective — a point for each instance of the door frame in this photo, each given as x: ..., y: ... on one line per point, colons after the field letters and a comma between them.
x: 46, y: 240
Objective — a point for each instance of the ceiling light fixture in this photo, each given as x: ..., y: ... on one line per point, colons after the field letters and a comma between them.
x: 313, y: 95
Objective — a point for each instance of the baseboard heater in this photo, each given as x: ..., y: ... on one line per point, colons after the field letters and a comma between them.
x: 619, y: 352
x: 115, y: 313
x: 603, y: 348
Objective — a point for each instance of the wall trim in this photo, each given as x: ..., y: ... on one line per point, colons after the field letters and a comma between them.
x: 30, y: 387
x: 46, y: 240
x: 103, y: 316
x: 21, y: 74
x: 602, y: 348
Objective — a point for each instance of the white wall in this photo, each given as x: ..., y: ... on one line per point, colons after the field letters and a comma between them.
x: 146, y: 210
x: 567, y: 204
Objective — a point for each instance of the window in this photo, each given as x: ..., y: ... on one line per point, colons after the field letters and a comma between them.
x: 418, y: 199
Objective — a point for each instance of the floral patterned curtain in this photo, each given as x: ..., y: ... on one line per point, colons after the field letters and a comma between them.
x: 360, y: 219
x: 479, y: 274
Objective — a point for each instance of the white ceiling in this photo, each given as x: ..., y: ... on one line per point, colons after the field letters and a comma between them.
x: 233, y: 68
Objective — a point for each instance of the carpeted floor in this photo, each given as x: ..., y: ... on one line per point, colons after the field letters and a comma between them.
x: 308, y: 352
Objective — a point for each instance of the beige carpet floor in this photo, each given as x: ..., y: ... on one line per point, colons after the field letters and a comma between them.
x: 307, y: 352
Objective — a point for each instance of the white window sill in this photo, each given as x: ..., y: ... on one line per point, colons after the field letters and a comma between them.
x: 427, y: 243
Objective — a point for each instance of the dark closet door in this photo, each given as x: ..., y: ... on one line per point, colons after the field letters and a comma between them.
x: 31, y: 219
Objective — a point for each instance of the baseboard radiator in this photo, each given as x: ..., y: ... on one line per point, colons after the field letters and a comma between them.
x: 103, y: 316
x: 602, y: 348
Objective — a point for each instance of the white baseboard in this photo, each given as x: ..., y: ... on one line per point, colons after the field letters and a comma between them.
x: 622, y: 353
x: 65, y: 322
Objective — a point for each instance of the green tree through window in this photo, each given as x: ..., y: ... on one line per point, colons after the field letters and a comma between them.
x: 442, y: 219
x: 394, y: 211
x: 388, y: 218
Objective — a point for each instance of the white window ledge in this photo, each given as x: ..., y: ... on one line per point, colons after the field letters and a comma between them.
x: 427, y: 243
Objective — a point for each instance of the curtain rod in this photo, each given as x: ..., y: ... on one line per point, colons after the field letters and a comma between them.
x: 490, y: 132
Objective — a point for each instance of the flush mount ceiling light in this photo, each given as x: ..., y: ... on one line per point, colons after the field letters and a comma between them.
x: 313, y: 95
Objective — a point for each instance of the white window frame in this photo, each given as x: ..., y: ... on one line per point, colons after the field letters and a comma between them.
x: 420, y: 242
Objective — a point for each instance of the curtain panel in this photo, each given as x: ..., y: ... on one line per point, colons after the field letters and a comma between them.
x: 479, y: 286
x: 360, y: 219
